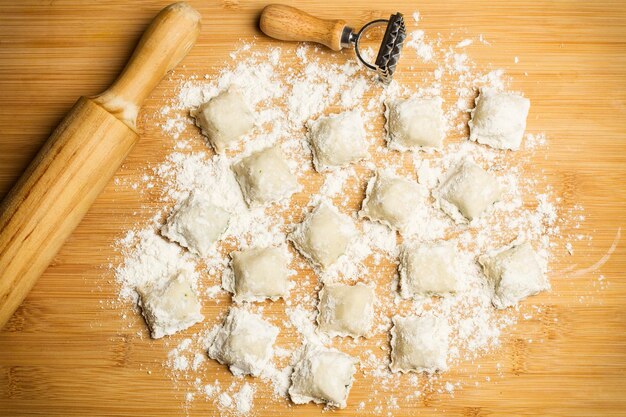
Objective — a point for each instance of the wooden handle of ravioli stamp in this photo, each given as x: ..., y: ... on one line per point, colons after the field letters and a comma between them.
x: 290, y: 24
x: 81, y: 156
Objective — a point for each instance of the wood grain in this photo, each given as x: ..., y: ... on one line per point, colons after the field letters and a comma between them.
x: 53, y: 195
x: 81, y: 156
x: 68, y: 352
x: 291, y: 24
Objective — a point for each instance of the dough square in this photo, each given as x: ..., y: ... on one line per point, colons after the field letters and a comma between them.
x: 258, y: 274
x: 171, y: 306
x: 337, y: 140
x: 414, y: 123
x: 324, y: 235
x: 499, y: 119
x: 224, y: 119
x: 467, y: 192
x: 323, y: 376
x: 392, y: 200
x: 419, y: 344
x: 196, y: 224
x: 264, y: 177
x: 428, y: 268
x: 244, y: 342
x: 515, y: 273
x: 346, y: 310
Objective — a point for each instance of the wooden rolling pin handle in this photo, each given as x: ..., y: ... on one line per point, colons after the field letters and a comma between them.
x: 163, y: 45
x: 290, y: 24
x: 80, y: 157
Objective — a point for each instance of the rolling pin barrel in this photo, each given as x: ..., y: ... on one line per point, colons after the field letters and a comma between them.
x: 81, y: 156
x: 287, y: 23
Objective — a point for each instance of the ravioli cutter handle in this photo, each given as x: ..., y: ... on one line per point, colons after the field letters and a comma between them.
x: 288, y: 23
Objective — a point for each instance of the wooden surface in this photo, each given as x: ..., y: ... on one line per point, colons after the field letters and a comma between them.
x: 81, y: 157
x: 57, y: 190
x: 292, y: 24
x: 67, y: 352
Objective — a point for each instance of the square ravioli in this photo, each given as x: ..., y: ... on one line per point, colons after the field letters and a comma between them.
x: 244, y: 342
x: 419, y: 344
x: 323, y: 376
x: 428, y: 268
x: 170, y: 306
x: 337, y: 140
x: 392, y: 200
x: 346, y: 310
x: 324, y: 235
x: 499, y: 119
x: 196, y: 224
x: 515, y: 273
x: 414, y: 123
x: 258, y: 274
x: 467, y: 192
x: 224, y: 119
x: 264, y: 177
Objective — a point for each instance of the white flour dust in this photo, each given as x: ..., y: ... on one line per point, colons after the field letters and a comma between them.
x: 285, y: 96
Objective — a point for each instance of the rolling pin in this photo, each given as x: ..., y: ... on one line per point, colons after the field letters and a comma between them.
x: 81, y: 156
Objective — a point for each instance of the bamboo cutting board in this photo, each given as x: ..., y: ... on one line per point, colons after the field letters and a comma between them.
x: 68, y: 352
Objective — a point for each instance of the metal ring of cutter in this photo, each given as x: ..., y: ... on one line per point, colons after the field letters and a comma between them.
x: 356, y: 39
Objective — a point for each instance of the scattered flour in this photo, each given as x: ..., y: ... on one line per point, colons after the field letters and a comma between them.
x: 225, y: 400
x: 288, y: 86
x: 464, y: 43
x: 423, y: 48
x: 244, y: 398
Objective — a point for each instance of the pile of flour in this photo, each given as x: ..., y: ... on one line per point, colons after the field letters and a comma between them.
x: 287, y: 86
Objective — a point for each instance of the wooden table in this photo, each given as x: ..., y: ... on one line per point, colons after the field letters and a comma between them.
x: 66, y: 352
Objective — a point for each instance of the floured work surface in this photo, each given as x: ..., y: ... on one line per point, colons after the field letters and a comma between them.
x: 539, y: 345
